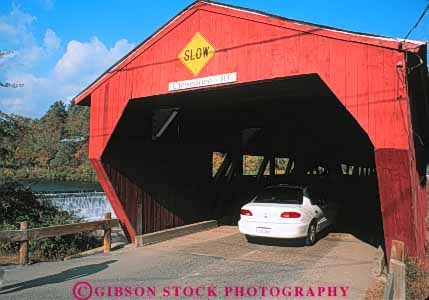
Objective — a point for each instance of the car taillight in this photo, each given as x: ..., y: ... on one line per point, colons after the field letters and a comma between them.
x: 290, y: 214
x: 246, y: 212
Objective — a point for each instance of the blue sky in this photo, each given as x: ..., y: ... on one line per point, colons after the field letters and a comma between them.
x: 62, y: 46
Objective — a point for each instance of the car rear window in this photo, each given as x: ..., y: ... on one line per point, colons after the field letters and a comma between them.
x: 280, y: 195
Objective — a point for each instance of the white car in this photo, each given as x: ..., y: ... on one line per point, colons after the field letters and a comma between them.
x: 285, y: 211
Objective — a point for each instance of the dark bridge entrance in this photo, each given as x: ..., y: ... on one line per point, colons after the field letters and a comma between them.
x: 169, y: 181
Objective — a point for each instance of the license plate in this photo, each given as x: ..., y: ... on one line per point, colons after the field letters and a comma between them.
x: 263, y: 230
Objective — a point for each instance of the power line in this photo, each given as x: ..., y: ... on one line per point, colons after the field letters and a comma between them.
x: 418, y: 21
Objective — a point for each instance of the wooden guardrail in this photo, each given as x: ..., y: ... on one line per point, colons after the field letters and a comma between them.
x: 24, y: 235
x: 395, y: 287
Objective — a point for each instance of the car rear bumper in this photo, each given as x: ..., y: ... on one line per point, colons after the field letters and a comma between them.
x: 285, y: 230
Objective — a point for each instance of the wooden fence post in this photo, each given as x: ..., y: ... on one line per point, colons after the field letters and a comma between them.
x: 388, y: 292
x: 397, y: 270
x: 23, y: 247
x: 398, y: 250
x: 107, y: 233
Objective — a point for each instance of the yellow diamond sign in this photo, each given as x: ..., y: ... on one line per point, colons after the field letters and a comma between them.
x: 196, y: 53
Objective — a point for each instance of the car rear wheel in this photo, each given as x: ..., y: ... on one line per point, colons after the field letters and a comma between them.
x: 312, y: 234
x: 250, y: 239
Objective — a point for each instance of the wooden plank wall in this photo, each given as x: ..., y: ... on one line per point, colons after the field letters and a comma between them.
x: 160, y: 187
x: 144, y: 209
x: 402, y: 201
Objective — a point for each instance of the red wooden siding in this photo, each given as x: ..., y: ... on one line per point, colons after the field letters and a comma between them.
x: 138, y: 203
x: 395, y: 185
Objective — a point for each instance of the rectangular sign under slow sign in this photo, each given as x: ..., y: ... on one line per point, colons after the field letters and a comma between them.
x: 203, y: 81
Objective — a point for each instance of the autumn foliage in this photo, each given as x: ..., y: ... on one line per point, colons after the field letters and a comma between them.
x: 52, y: 147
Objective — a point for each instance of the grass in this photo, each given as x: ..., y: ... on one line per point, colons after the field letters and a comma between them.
x: 417, y: 280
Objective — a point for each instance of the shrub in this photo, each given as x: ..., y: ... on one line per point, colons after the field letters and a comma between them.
x: 18, y: 204
x: 417, y: 280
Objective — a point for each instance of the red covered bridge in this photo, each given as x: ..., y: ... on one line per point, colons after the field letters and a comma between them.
x: 346, y: 110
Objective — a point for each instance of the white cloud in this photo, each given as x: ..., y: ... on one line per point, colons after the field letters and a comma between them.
x: 89, y: 58
x: 16, y: 34
x: 82, y: 63
x: 15, y: 26
x: 28, y: 99
x: 7, y: 30
x: 51, y: 40
x: 14, y: 104
x: 62, y: 79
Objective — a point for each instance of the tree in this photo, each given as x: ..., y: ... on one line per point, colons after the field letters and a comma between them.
x: 77, y: 122
x: 54, y: 146
x: 6, y: 134
x: 64, y: 156
x: 49, y: 132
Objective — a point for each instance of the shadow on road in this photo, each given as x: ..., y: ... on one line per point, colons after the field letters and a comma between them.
x: 286, y: 242
x: 63, y: 276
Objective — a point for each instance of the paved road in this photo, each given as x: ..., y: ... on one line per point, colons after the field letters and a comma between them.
x: 218, y: 260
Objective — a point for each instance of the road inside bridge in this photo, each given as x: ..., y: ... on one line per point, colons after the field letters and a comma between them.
x: 219, y: 258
